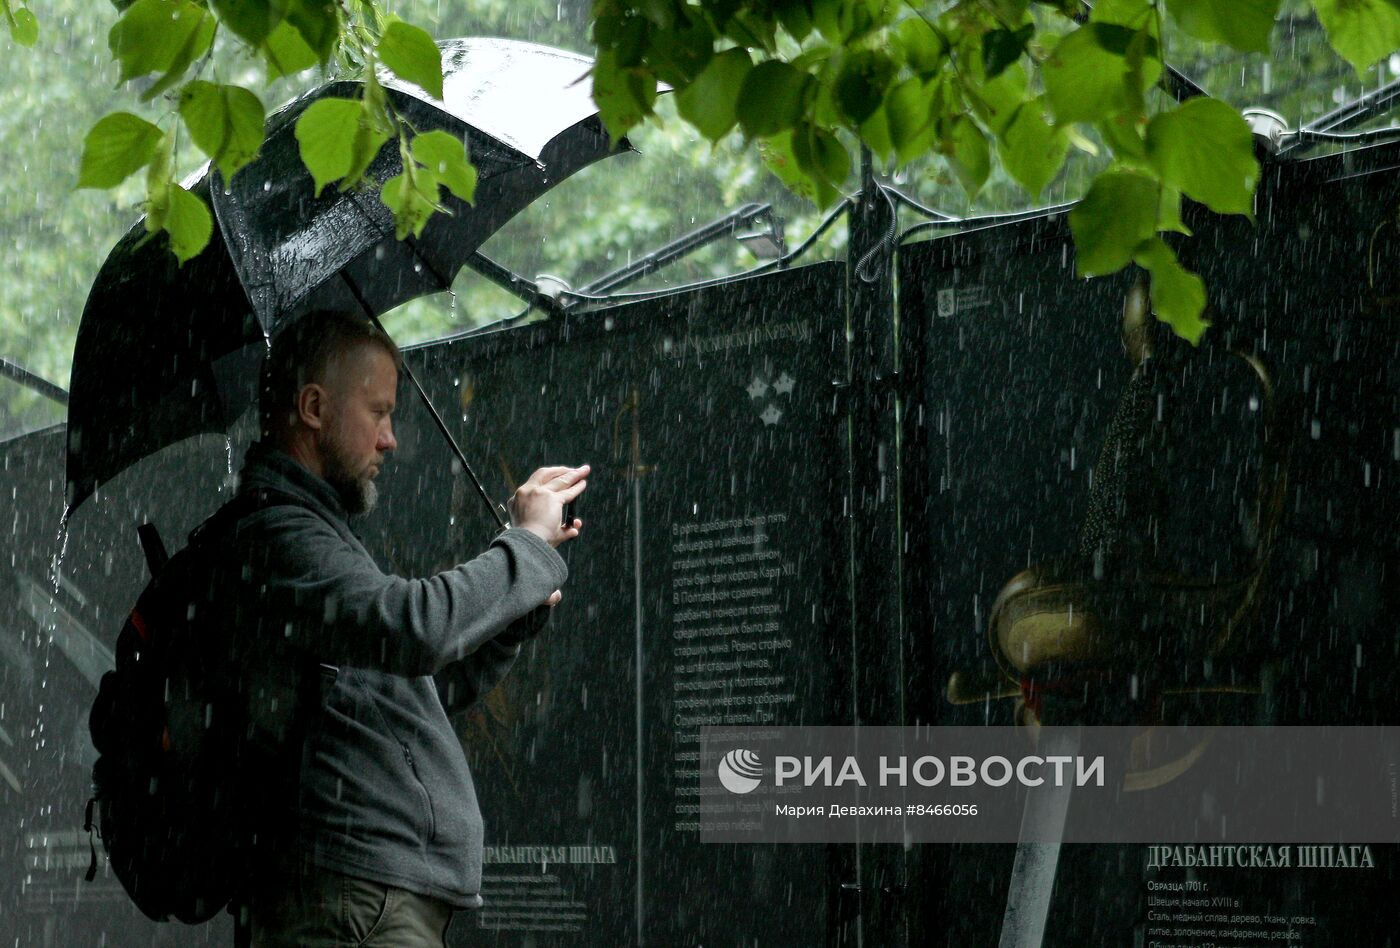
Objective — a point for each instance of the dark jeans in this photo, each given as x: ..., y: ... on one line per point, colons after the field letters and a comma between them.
x: 320, y: 908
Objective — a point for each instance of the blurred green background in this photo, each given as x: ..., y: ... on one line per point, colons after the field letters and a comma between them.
x: 55, y: 237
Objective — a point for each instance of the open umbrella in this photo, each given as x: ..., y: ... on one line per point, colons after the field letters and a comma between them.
x: 167, y: 352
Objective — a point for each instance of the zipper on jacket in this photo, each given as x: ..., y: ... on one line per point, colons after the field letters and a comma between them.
x: 427, y: 800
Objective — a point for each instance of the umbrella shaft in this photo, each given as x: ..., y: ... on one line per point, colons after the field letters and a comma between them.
x: 442, y: 426
x: 427, y: 403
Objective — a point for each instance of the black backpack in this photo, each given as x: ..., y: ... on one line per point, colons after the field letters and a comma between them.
x: 185, y: 729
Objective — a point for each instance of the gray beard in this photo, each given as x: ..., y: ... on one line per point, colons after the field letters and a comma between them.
x: 358, y: 496
x: 361, y: 498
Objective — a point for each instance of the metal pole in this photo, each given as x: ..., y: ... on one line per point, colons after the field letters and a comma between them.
x: 17, y: 372
x: 878, y: 673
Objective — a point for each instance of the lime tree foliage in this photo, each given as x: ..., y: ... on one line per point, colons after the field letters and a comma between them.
x: 166, y: 47
x: 56, y: 238
x: 1000, y: 91
x: 1029, y: 82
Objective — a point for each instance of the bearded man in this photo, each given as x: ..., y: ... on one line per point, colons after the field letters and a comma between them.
x: 383, y: 841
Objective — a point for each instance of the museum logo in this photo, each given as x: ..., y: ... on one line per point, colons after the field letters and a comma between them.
x: 740, y: 770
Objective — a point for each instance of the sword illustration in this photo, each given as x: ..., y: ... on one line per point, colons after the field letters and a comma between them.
x: 1037, y: 859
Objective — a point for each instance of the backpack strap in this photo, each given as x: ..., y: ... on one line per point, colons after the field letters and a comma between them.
x: 244, y: 504
x: 151, y: 545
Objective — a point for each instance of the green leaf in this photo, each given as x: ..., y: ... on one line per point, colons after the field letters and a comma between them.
x: 841, y: 22
x: 624, y: 96
x: 159, y: 185
x: 1131, y: 13
x: 751, y: 30
x: 971, y: 158
x: 1123, y: 133
x: 924, y: 50
x: 709, y: 102
x: 318, y: 23
x: 908, y: 109
x: 157, y: 204
x: 188, y: 223
x: 1086, y: 77
x: 861, y: 83
x: 1178, y: 295
x: 367, y: 142
x: 606, y: 26
x: 820, y: 154
x: 772, y: 98
x: 1118, y: 213
x: 445, y: 155
x: 226, y: 122
x: 250, y: 20
x: 875, y: 132
x: 794, y: 17
x: 326, y: 134
x: 412, y: 56
x: 286, y: 52
x: 1001, y: 48
x: 997, y: 100
x: 1204, y: 148
x: 660, y: 12
x: 1033, y: 150
x: 1361, y: 31
x: 1169, y: 212
x: 679, y: 55
x: 631, y: 42
x: 1243, y: 24
x: 117, y: 146
x: 413, y: 204
x: 777, y: 155
x: 24, y: 28
x: 159, y: 36
x: 197, y: 45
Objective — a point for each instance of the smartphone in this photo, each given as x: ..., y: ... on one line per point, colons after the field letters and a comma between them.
x: 568, y: 515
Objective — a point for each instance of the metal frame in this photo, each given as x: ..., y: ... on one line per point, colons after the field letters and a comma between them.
x: 18, y: 373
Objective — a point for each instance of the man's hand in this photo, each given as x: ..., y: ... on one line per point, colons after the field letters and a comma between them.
x: 538, y: 504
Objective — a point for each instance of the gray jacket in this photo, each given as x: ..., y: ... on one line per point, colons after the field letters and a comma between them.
x: 385, y: 793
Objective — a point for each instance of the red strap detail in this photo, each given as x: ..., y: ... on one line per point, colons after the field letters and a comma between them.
x: 139, y: 624
x: 1033, y: 694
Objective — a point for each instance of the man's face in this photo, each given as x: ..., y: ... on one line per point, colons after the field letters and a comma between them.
x: 360, y: 386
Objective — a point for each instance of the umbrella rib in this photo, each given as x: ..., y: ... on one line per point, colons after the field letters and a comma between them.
x: 427, y: 403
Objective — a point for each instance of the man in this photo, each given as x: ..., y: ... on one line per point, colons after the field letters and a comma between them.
x: 385, y: 837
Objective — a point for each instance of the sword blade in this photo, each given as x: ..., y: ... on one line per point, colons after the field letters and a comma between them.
x: 1038, y: 852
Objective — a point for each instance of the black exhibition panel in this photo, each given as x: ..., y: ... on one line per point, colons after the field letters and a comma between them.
x: 1224, y: 515
x: 711, y: 560
x: 818, y: 506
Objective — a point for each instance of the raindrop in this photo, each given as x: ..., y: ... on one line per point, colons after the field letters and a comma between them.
x: 60, y: 541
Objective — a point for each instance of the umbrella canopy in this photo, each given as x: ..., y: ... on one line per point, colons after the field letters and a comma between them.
x: 166, y: 352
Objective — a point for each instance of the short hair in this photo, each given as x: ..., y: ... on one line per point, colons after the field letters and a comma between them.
x: 300, y: 353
